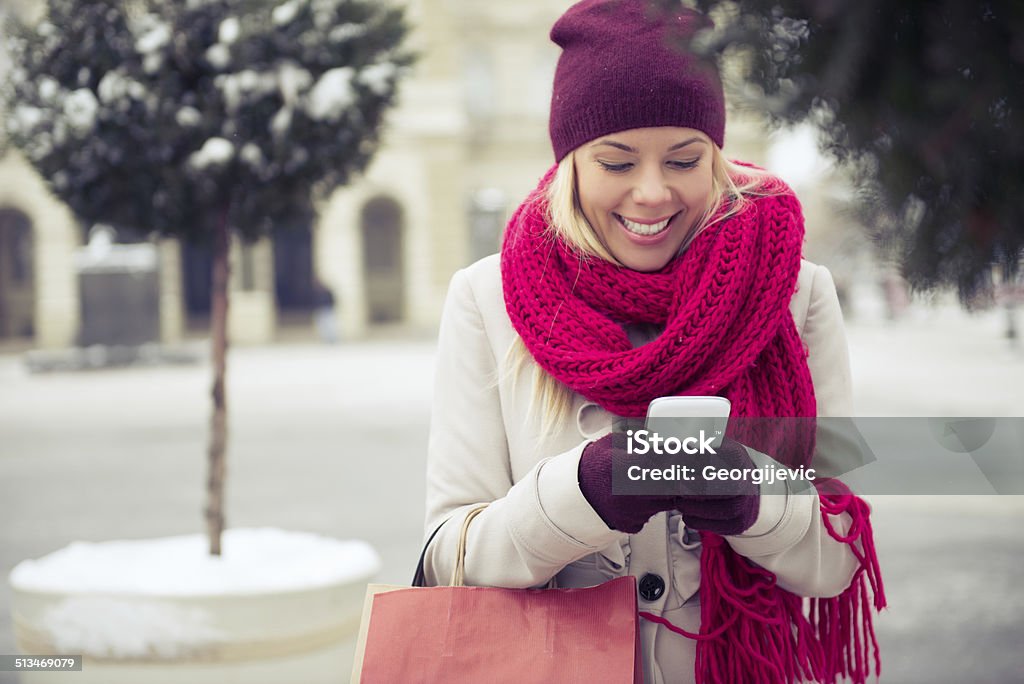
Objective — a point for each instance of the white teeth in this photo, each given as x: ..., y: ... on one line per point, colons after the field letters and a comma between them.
x: 644, y: 228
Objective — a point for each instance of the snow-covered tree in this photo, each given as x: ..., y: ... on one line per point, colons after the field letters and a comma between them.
x: 202, y: 118
x: 924, y: 99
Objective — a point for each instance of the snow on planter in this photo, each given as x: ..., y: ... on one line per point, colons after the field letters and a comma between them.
x: 168, y: 598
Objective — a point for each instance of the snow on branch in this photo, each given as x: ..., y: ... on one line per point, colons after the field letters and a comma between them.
x: 202, y: 100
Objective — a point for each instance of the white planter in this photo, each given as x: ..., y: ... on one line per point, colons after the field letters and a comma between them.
x: 196, y: 620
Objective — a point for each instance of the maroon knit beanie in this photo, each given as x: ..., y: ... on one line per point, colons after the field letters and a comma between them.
x: 625, y: 65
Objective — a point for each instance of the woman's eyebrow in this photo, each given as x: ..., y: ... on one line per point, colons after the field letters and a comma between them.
x: 685, y: 143
x: 633, y: 150
x: 618, y: 145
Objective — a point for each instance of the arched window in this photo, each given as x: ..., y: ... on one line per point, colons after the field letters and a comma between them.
x: 383, y: 265
x: 15, y: 247
x: 17, y: 291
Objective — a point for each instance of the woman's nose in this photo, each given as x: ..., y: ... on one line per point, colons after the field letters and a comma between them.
x: 651, y: 188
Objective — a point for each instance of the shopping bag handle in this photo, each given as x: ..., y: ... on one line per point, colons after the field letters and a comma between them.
x: 420, y: 578
x: 459, y: 573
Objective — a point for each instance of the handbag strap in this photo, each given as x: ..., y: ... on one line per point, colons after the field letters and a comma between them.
x: 459, y: 573
x: 420, y: 578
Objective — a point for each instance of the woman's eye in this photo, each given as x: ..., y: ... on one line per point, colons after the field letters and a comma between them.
x: 613, y: 167
x: 679, y: 164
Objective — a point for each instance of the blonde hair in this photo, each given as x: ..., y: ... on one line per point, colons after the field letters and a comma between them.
x: 731, y: 187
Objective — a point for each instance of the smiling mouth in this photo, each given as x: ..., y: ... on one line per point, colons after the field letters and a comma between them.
x: 645, y: 229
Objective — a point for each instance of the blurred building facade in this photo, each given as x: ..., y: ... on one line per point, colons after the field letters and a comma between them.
x: 466, y: 143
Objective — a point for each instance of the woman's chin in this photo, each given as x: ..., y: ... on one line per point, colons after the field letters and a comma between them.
x: 645, y: 263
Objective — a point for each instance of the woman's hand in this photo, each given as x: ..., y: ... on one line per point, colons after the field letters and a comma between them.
x: 732, y: 512
x: 626, y: 513
x: 723, y: 508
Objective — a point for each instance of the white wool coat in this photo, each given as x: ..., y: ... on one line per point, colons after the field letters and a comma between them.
x: 486, y: 446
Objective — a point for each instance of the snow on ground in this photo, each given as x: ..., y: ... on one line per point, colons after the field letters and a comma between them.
x: 252, y: 561
x: 936, y: 361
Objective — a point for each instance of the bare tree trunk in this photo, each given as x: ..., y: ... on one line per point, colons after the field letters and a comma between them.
x: 218, y: 419
x: 1011, y: 311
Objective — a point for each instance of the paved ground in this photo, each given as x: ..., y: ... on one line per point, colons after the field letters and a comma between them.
x: 332, y: 440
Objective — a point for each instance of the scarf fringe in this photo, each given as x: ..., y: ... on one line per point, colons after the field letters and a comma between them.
x: 755, y: 632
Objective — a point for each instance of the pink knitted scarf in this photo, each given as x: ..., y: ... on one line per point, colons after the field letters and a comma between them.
x: 723, y: 306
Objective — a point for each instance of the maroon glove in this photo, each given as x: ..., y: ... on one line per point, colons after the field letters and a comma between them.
x: 625, y: 513
x: 732, y: 512
x: 729, y: 507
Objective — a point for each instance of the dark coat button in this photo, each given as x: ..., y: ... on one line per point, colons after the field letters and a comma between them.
x: 651, y: 587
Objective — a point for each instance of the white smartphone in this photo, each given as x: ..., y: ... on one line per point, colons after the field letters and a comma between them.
x: 688, y: 416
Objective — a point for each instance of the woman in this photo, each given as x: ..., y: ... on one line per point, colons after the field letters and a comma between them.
x: 645, y: 265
